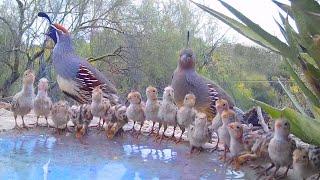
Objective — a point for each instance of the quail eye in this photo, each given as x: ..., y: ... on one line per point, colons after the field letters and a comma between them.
x: 304, y: 157
x: 286, y: 124
x: 238, y: 127
x: 224, y: 105
x: 154, y: 91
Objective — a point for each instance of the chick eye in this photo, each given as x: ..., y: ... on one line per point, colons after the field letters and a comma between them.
x: 304, y: 157
x: 154, y: 91
x: 223, y: 104
x: 238, y: 127
x: 286, y: 124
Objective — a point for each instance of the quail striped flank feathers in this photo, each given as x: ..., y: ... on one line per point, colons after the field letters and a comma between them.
x: 22, y: 102
x: 185, y: 79
x: 75, y: 75
x: 42, y: 102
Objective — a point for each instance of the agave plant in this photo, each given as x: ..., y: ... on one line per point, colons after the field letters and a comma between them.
x: 301, y: 54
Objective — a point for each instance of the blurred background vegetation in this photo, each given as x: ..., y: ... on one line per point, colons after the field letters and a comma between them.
x: 138, y: 45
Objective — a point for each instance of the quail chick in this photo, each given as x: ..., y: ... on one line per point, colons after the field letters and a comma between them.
x: 187, y: 113
x: 302, y: 167
x: 220, y: 106
x: 75, y: 115
x: 152, y: 106
x: 118, y: 120
x: 168, y: 110
x: 235, y: 130
x: 227, y: 117
x: 99, y: 105
x: 84, y: 120
x: 314, y: 157
x: 60, y: 115
x: 136, y: 109
x: 198, y: 134
x: 22, y: 102
x: 42, y: 102
x: 281, y: 147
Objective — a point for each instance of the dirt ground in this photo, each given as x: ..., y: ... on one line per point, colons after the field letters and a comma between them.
x: 7, y: 123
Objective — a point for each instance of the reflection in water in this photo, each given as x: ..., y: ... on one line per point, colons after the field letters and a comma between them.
x: 34, y: 156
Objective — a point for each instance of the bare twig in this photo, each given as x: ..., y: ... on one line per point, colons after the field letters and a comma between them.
x: 261, y: 120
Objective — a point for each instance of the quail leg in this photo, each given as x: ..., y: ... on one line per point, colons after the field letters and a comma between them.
x: 15, y: 122
x: 23, y: 124
x: 182, y: 131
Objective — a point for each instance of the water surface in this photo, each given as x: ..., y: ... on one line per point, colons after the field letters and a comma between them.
x: 40, y: 154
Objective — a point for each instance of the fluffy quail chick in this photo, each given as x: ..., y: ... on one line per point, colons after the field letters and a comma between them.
x: 187, y: 113
x: 152, y: 106
x: 281, y: 147
x: 227, y: 117
x: 42, y: 102
x: 84, y: 120
x: 314, y: 157
x: 198, y: 134
x: 99, y: 105
x: 235, y: 130
x: 60, y: 114
x: 168, y: 110
x: 136, y: 109
x: 302, y: 167
x: 118, y: 120
x: 22, y: 102
x: 75, y: 115
x: 221, y: 105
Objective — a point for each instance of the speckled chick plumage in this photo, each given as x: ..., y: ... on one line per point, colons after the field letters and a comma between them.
x: 168, y: 109
x: 227, y: 117
x: 185, y: 80
x: 281, y: 146
x: 187, y: 113
x: 136, y: 109
x: 22, y: 102
x: 235, y: 130
x: 314, y: 157
x: 198, y: 133
x: 60, y: 114
x: 42, y: 102
x: 302, y: 167
x: 118, y: 120
x: 152, y: 104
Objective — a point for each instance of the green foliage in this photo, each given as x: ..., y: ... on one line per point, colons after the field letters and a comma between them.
x: 301, y: 53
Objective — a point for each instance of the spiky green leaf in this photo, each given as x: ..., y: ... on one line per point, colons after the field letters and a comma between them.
x: 302, y: 126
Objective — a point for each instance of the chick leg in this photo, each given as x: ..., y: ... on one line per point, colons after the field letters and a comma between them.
x: 164, y: 130
x: 151, y: 131
x: 285, y: 174
x: 15, y: 122
x: 132, y: 130
x: 47, y: 121
x: 275, y: 171
x: 139, y: 132
x: 158, y: 133
x: 23, y: 124
x: 182, y: 131
x: 172, y: 136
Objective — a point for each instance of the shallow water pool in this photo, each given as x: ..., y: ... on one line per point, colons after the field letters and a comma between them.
x: 40, y: 154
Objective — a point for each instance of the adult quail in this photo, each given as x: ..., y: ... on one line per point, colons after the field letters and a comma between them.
x: 75, y: 75
x: 186, y: 80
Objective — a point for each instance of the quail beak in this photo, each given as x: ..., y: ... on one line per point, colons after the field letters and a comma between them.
x: 231, y: 126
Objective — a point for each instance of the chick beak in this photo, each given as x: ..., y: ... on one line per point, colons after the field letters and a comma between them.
x: 231, y: 126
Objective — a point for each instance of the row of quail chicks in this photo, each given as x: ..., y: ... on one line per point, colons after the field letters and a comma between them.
x: 61, y: 113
